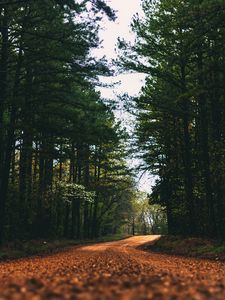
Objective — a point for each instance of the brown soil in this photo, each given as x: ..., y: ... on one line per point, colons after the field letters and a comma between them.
x: 113, y: 270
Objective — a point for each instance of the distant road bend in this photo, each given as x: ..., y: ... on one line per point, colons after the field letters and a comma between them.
x: 113, y: 270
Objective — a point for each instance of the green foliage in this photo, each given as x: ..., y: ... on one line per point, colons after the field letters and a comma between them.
x: 68, y: 191
x: 146, y: 218
x: 180, y: 112
x: 62, y: 163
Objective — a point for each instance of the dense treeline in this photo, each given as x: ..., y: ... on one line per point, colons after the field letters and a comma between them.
x: 181, y: 110
x: 62, y: 168
x: 145, y: 218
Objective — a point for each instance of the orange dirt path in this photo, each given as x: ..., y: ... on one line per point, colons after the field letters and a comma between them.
x: 112, y: 270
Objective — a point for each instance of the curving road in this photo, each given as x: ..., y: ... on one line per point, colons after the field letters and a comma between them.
x: 113, y: 270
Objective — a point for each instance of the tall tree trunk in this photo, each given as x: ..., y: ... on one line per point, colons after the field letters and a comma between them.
x: 61, y: 162
x: 3, y: 95
x: 95, y: 229
x: 187, y: 157
x: 78, y: 201
x: 26, y: 152
x: 86, y: 184
x: 204, y: 147
x: 215, y: 80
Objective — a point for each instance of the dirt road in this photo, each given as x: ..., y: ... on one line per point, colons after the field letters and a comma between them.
x: 115, y: 270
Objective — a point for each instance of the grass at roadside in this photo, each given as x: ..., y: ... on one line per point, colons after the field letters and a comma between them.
x: 20, y: 249
x: 194, y: 247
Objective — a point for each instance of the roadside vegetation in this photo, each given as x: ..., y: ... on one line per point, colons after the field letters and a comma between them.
x: 19, y: 249
x: 192, y: 247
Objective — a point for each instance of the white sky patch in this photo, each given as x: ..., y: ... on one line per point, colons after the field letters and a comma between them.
x: 124, y: 83
x: 125, y: 10
x: 127, y: 83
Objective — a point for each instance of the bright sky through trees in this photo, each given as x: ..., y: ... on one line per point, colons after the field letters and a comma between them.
x: 129, y: 83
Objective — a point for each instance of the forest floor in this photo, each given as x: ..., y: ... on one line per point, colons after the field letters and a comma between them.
x: 112, y: 270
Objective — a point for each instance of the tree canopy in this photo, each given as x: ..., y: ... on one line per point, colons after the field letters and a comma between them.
x: 181, y: 111
x: 62, y: 160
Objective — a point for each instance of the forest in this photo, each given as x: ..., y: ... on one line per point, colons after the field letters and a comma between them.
x: 112, y: 149
x: 63, y: 153
x: 62, y: 158
x: 63, y: 170
x: 181, y: 110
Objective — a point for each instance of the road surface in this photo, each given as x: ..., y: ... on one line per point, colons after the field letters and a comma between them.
x: 113, y: 270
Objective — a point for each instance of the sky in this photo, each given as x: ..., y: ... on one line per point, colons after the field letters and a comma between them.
x: 129, y: 83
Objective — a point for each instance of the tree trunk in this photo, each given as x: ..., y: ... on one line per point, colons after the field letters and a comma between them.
x: 204, y: 148
x: 86, y: 204
x: 187, y: 156
x: 3, y: 96
x: 26, y: 152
